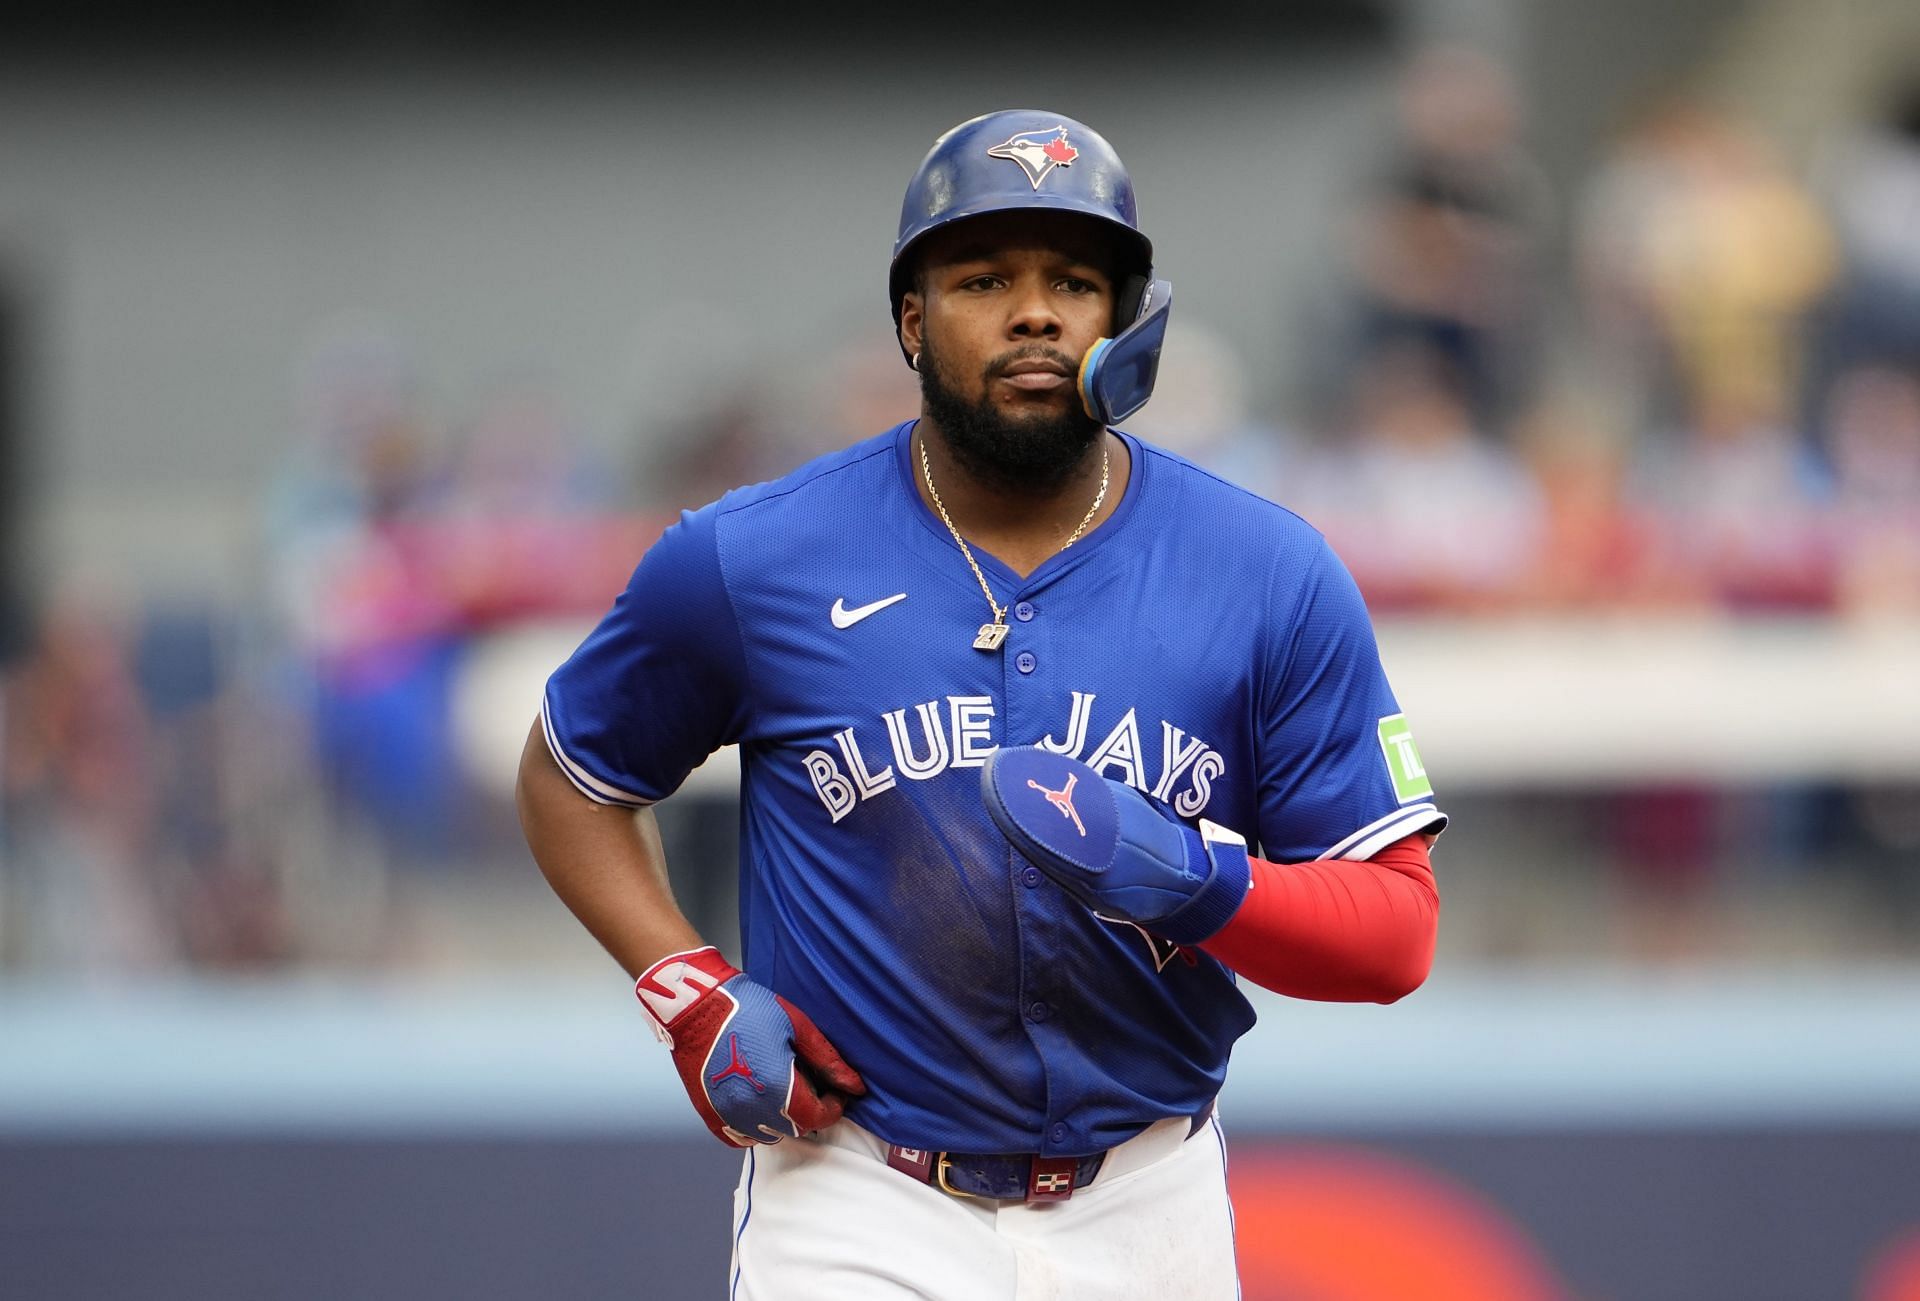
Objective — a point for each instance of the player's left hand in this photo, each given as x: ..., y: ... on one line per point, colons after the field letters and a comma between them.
x: 1113, y: 849
x: 756, y: 1067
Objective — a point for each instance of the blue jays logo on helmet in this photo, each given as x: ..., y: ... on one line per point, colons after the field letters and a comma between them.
x: 1037, y: 152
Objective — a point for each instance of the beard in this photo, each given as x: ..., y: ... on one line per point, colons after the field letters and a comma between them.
x: 1031, y: 456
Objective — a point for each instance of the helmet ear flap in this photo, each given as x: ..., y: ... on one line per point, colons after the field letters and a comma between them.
x: 1117, y: 374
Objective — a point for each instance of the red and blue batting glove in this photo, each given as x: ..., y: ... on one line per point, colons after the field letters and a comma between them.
x: 758, y: 1070
x: 1113, y: 849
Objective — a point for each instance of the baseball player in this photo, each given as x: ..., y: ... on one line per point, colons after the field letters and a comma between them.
x: 1047, y: 738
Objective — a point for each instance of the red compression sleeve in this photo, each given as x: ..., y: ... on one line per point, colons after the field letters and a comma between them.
x: 1339, y: 930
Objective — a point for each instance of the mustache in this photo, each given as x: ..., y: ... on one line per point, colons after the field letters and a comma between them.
x: 1032, y: 352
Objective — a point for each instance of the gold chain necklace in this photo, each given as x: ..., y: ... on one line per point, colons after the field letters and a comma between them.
x: 992, y: 634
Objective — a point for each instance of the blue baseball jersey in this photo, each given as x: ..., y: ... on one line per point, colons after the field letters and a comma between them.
x: 1202, y: 644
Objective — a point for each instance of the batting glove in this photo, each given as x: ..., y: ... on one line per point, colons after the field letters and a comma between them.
x: 748, y: 1058
x: 1113, y: 849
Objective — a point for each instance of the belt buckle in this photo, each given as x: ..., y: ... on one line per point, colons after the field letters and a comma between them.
x: 1052, y: 1178
x: 940, y: 1165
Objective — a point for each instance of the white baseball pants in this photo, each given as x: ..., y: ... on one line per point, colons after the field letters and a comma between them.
x: 826, y: 1219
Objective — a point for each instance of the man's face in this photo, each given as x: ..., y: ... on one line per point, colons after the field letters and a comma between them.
x: 1003, y: 310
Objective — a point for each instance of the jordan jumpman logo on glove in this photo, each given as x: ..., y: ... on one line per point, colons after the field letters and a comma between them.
x: 735, y: 1066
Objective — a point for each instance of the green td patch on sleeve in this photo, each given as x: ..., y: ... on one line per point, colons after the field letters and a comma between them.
x: 1403, y: 759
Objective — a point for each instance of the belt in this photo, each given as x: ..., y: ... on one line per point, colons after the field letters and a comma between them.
x: 1007, y: 1177
x: 1026, y: 1176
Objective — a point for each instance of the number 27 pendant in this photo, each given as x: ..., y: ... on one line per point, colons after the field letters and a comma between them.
x: 991, y: 635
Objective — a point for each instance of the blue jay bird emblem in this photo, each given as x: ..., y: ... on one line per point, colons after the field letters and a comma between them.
x: 1037, y: 152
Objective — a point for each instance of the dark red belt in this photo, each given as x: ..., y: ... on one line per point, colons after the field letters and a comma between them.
x: 1009, y: 1176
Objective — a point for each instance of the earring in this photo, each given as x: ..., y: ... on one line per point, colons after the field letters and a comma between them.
x: 914, y: 361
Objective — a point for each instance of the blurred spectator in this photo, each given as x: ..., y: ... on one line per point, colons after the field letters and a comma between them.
x: 1872, y: 424
x: 1596, y: 549
x: 1701, y: 258
x: 367, y: 627
x: 1445, y: 250
x: 1738, y: 503
x: 1665, y: 844
x: 518, y: 458
x: 362, y: 457
x: 81, y: 803
x: 221, y: 862
x: 1873, y: 184
x: 1425, y: 512
x: 396, y: 545
x: 531, y: 522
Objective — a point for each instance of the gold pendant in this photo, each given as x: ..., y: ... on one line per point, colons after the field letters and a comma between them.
x: 991, y: 635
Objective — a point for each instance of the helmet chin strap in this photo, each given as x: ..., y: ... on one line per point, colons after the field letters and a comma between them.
x: 1117, y: 374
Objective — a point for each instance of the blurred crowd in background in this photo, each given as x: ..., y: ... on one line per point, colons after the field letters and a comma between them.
x: 1689, y: 384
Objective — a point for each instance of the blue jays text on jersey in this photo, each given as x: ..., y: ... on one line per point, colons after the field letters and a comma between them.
x: 920, y: 750
x: 1202, y: 644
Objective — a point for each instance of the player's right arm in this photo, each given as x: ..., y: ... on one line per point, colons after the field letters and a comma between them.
x: 654, y: 689
x: 657, y: 686
x: 755, y: 1067
x: 603, y: 860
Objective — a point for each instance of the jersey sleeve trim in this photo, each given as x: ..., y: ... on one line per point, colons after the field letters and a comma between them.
x: 588, y: 785
x: 1397, y: 825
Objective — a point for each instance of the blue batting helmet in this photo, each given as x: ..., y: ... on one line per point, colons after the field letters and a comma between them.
x: 1015, y: 160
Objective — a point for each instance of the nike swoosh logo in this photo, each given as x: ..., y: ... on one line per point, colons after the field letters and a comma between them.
x: 845, y: 618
